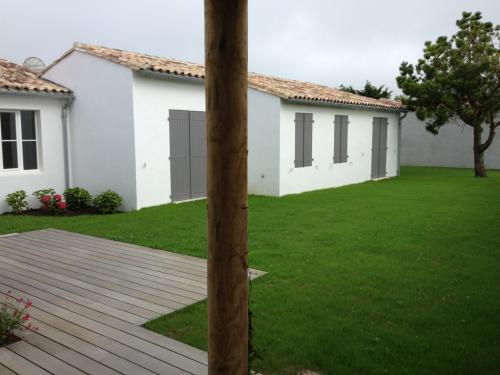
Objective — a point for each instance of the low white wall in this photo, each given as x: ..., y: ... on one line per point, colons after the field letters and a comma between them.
x: 50, y: 173
x: 101, y: 124
x: 263, y: 143
x: 324, y: 173
x: 154, y: 97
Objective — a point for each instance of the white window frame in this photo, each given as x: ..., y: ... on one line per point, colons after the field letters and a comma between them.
x: 19, y: 142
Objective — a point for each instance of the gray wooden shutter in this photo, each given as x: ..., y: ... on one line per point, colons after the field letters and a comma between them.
x: 340, y: 139
x: 308, y: 122
x: 198, y: 154
x: 336, y: 139
x: 343, y: 140
x: 180, y: 178
x: 299, y: 140
x: 375, y: 147
x: 382, y: 172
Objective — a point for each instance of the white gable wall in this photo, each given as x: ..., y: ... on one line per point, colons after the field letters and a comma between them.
x: 324, y: 173
x: 101, y: 124
x: 50, y: 173
x: 154, y: 97
x: 263, y: 143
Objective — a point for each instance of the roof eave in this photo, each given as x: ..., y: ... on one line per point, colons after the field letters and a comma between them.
x: 343, y: 105
x: 51, y: 94
x: 168, y: 75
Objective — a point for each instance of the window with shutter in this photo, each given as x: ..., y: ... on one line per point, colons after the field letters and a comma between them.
x: 340, y: 139
x: 303, y: 140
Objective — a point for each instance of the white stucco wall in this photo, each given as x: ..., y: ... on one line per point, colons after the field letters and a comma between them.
x: 451, y: 147
x: 102, y: 128
x: 324, y: 173
x: 50, y: 173
x: 154, y: 97
x: 263, y: 143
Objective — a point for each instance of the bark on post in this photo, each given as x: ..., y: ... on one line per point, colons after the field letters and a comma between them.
x: 226, y: 118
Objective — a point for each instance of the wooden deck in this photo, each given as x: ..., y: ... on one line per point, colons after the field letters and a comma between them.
x: 90, y: 297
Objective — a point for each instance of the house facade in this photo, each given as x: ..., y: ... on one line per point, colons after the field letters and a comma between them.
x: 137, y: 127
x: 32, y: 132
x: 297, y: 145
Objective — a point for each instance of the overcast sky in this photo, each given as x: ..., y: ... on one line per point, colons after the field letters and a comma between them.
x: 329, y: 42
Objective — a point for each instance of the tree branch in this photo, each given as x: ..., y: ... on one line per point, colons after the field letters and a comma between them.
x: 487, y: 144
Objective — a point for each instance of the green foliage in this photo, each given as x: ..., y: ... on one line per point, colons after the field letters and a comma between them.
x: 77, y: 198
x: 40, y: 193
x: 107, y: 202
x: 457, y: 77
x: 17, y: 201
x: 370, y: 91
x: 13, y: 316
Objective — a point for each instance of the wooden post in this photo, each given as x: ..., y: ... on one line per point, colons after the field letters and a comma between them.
x: 226, y: 64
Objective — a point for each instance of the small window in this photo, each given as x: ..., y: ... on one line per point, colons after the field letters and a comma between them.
x: 303, y: 140
x: 340, y: 139
x: 18, y: 136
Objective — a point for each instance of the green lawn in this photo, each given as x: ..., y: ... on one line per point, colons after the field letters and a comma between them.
x: 400, y: 276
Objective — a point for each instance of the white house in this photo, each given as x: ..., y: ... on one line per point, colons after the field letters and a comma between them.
x: 32, y: 133
x: 137, y: 127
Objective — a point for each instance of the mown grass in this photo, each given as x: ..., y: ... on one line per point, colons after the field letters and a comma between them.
x: 400, y: 276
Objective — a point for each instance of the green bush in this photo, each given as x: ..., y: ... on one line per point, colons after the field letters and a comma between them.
x: 40, y: 193
x: 14, y: 316
x: 77, y: 198
x: 107, y: 202
x: 17, y: 200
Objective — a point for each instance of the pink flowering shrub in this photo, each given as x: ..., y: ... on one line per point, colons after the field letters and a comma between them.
x: 52, y: 202
x: 14, y: 316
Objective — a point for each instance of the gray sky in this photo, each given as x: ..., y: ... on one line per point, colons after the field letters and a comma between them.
x: 329, y: 42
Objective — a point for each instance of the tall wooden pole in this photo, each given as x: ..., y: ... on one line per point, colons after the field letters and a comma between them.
x: 226, y: 64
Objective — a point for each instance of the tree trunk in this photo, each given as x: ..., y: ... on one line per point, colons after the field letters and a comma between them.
x: 479, y: 170
x: 226, y: 74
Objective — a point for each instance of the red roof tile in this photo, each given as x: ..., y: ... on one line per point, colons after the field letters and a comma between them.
x: 284, y: 88
x: 16, y: 78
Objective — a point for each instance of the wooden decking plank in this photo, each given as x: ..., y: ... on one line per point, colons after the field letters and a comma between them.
x: 24, y: 283
x: 86, y: 253
x: 124, y: 279
x: 65, y: 354
x: 163, y: 258
x: 46, y: 302
x: 18, y: 364
x: 91, y: 277
x: 75, y: 323
x: 109, y: 254
x: 5, y: 371
x: 43, y: 359
x: 89, y: 296
x: 132, y: 248
x: 88, y: 285
x: 92, y: 345
x: 78, y: 291
x: 163, y: 282
x: 123, y: 345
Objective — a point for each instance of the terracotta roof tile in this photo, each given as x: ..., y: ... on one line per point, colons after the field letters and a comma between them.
x: 141, y: 61
x: 284, y: 88
x: 298, y: 90
x: 17, y: 78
